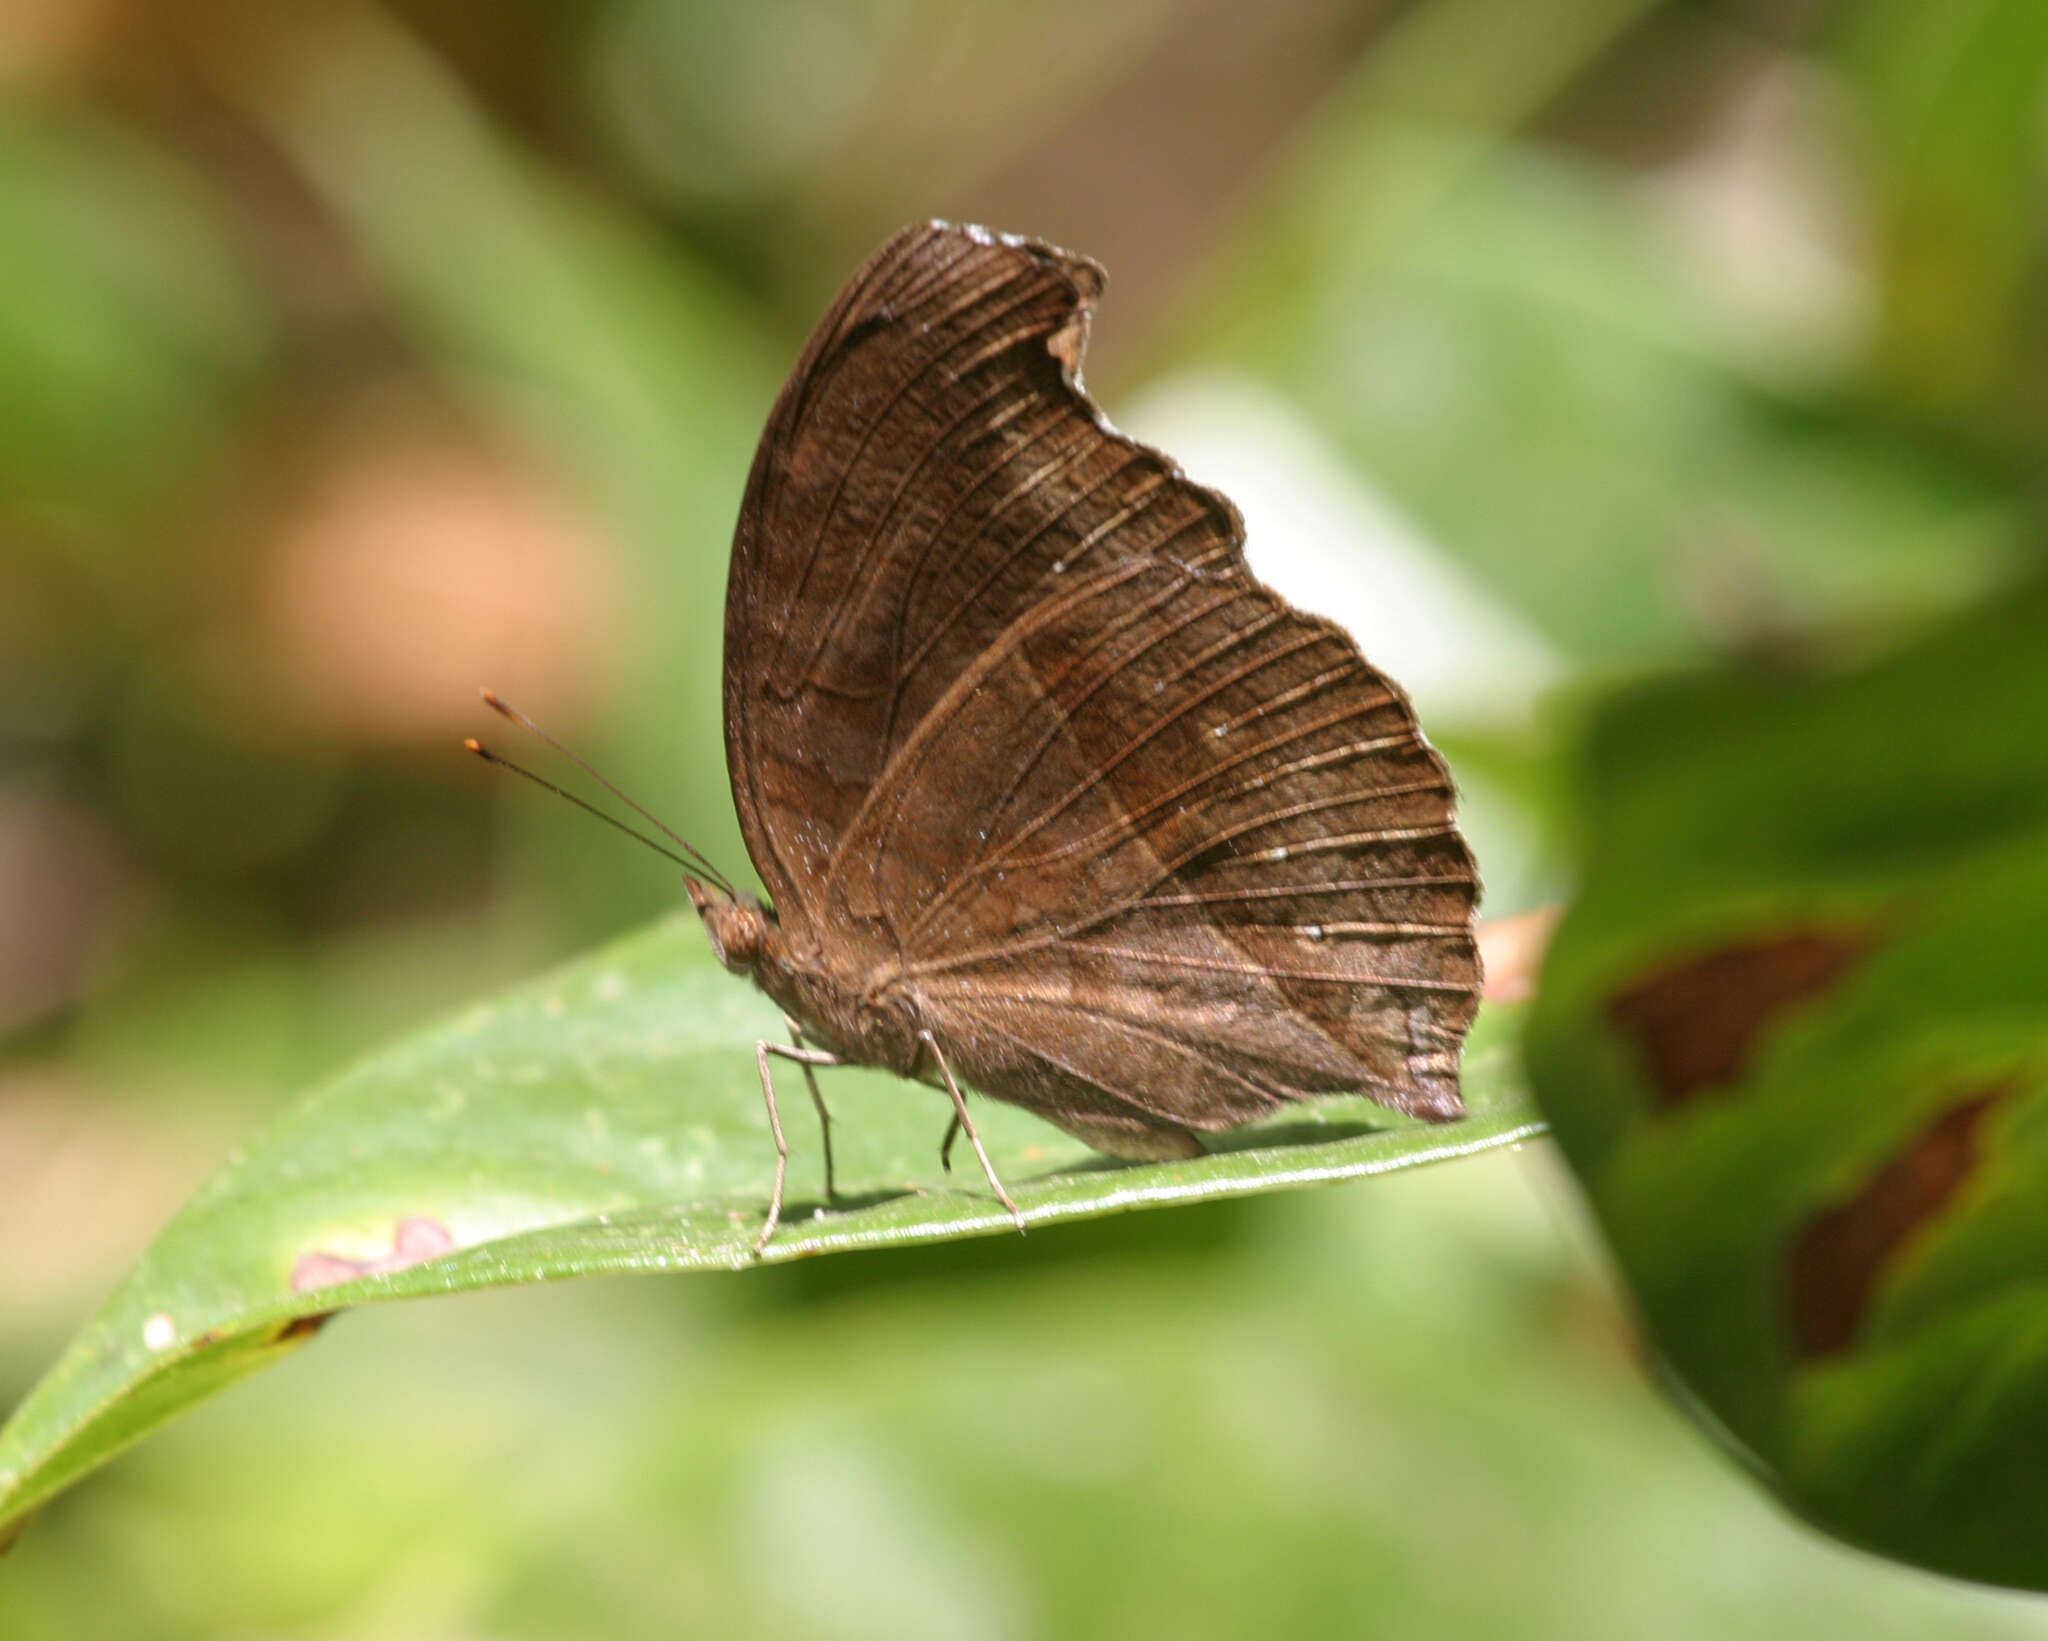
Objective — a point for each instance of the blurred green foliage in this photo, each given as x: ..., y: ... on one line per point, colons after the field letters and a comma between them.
x: 353, y: 356
x: 1791, y: 1040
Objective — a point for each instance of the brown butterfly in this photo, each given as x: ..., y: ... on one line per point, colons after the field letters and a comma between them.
x: 1051, y: 797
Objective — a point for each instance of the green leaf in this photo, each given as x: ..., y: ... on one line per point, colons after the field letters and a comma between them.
x: 1794, y: 1041
x: 608, y: 1118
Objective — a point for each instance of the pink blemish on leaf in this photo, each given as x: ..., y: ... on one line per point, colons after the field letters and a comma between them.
x: 413, y: 1240
x: 323, y: 1271
x: 418, y: 1239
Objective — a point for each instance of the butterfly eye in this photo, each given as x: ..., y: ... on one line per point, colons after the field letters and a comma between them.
x: 737, y: 935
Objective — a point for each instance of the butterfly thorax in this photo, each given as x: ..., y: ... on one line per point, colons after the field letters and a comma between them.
x: 841, y: 1015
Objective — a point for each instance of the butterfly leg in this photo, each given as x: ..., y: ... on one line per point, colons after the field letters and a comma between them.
x: 946, y: 1144
x: 967, y: 1123
x: 805, y: 1057
x: 796, y: 1036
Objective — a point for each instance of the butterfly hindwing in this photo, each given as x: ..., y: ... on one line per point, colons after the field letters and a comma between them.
x: 1213, y: 867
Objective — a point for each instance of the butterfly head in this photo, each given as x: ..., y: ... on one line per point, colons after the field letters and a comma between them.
x: 738, y: 926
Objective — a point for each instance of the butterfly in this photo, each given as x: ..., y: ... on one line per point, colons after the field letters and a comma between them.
x: 1051, y: 797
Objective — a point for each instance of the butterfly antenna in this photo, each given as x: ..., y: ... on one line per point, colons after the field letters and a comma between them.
x: 490, y: 757
x: 691, y: 857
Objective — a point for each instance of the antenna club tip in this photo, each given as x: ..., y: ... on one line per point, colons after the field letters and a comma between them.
x: 472, y: 744
x: 490, y: 696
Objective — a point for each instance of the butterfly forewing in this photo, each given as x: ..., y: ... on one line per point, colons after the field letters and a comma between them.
x: 895, y: 522
x: 1017, y: 737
